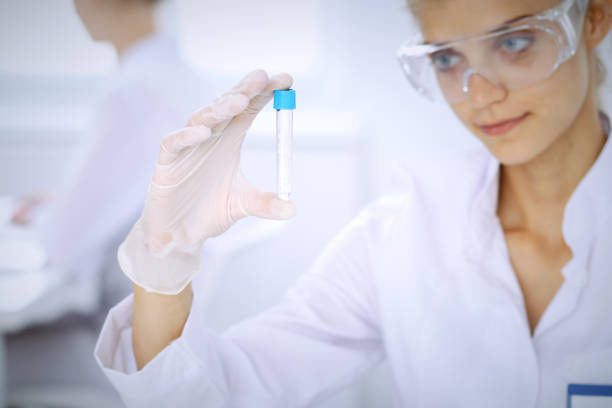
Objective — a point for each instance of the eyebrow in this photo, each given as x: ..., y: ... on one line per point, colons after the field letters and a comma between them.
x: 501, y: 27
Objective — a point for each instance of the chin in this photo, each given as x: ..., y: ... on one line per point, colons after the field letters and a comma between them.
x: 519, y: 150
x: 512, y: 157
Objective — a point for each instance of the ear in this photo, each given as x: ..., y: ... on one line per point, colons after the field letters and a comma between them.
x: 598, y: 22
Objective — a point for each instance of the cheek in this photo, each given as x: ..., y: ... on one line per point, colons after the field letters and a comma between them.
x: 554, y: 103
x: 559, y: 98
x: 464, y: 112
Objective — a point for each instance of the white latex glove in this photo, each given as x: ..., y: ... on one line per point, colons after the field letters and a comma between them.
x: 198, y: 190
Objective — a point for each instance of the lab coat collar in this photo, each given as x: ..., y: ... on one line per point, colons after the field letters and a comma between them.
x: 586, y: 213
x: 482, y: 217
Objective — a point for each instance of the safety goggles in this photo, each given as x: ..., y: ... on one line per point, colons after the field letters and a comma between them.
x: 513, y: 55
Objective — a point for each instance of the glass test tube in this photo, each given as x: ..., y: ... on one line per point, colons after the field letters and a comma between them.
x: 284, y: 103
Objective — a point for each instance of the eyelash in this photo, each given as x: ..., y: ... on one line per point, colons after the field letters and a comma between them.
x: 449, y: 54
x: 520, y: 36
x: 498, y: 45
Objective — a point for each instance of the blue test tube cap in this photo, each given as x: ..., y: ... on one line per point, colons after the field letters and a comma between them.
x: 284, y: 100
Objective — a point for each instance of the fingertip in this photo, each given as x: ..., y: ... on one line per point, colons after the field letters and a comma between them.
x: 253, y: 83
x: 293, y: 209
x: 259, y: 75
x: 282, y: 209
x: 281, y: 81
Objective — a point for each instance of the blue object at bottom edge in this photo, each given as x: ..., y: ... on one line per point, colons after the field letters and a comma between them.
x: 595, y: 390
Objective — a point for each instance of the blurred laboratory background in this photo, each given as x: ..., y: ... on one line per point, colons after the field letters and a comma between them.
x: 80, y: 129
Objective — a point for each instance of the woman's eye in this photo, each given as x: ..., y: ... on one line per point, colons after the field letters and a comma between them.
x: 445, y: 61
x: 516, y: 44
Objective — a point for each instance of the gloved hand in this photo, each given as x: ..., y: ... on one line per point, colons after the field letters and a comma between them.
x: 198, y: 190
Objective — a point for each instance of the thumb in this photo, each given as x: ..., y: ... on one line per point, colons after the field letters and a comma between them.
x: 267, y: 205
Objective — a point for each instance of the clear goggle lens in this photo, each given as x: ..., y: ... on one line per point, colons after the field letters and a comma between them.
x: 512, y: 60
x: 513, y: 56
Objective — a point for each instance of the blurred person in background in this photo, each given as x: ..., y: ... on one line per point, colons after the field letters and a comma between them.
x: 82, y: 224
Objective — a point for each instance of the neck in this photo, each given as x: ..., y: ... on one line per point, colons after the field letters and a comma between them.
x: 133, y: 24
x: 533, y: 195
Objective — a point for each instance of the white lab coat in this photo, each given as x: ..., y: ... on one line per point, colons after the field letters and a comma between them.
x: 422, y: 279
x: 151, y: 94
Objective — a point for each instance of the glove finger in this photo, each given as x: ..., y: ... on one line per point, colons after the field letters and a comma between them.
x: 213, y: 115
x: 265, y: 205
x: 180, y: 140
x: 251, y: 85
x: 277, y: 82
x: 221, y: 110
x: 240, y: 124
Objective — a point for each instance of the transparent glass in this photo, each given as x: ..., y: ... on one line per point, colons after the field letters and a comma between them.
x: 284, y: 152
x: 513, y: 55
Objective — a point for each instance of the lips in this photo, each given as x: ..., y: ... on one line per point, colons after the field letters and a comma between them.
x: 502, y: 127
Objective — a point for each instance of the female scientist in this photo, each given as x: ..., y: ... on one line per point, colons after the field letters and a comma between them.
x: 488, y: 283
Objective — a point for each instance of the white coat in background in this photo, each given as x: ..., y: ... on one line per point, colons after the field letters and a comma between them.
x: 152, y: 93
x: 420, y: 279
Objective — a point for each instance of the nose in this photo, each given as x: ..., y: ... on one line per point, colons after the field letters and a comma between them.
x: 481, y: 91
